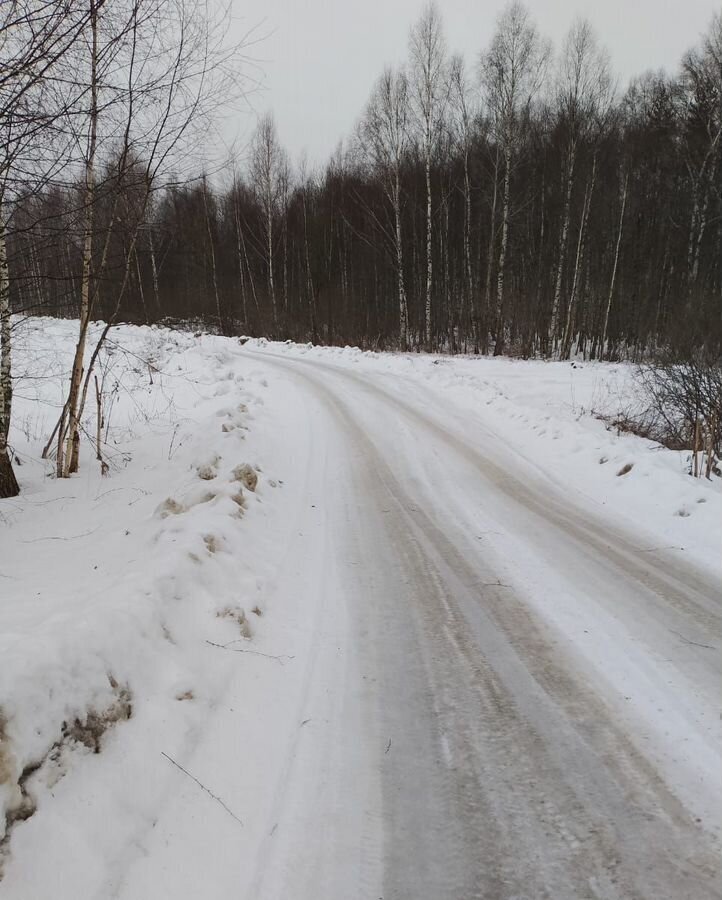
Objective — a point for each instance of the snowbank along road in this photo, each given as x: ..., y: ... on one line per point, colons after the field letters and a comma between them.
x: 493, y: 663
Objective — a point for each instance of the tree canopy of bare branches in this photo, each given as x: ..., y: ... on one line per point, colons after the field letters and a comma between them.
x: 525, y: 205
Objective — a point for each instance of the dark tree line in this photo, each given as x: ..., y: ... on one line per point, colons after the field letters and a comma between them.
x: 521, y: 205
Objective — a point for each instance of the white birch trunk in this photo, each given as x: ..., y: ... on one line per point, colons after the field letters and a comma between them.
x: 613, y: 278
x: 490, y: 252
x: 473, y: 311
x: 154, y: 269
x: 563, y: 241
x: 69, y: 432
x: 567, y: 337
x: 403, y: 309
x: 698, y: 243
x: 8, y: 482
x: 499, y: 329
x: 209, y: 231
x: 269, y: 251
x: 429, y: 249
x: 239, y: 259
x: 309, y: 274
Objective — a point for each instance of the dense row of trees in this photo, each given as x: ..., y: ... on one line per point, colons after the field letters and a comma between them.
x: 518, y: 203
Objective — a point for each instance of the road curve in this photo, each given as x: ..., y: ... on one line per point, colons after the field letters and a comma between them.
x: 498, y: 758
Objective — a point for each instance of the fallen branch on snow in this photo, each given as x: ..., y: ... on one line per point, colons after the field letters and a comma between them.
x: 51, y: 537
x: 693, y: 643
x: 203, y: 787
x: 254, y: 652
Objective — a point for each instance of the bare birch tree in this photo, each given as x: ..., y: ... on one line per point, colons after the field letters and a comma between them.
x: 615, y: 266
x: 464, y: 116
x: 702, y: 93
x: 513, y: 69
x: 584, y: 92
x: 268, y: 167
x: 154, y: 73
x: 8, y: 482
x: 385, y: 135
x: 429, y: 90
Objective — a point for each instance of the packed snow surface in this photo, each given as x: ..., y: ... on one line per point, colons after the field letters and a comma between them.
x: 343, y: 624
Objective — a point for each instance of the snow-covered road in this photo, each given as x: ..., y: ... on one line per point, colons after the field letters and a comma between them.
x: 479, y: 653
x: 507, y: 696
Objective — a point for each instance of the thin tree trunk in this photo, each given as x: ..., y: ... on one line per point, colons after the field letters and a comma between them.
x: 284, y: 235
x: 490, y: 253
x: 499, y: 330
x: 692, y: 227
x: 563, y: 241
x: 269, y: 250
x: 698, y: 241
x: 613, y: 279
x: 140, y: 286
x: 429, y: 255
x: 309, y: 274
x: 454, y: 310
x: 567, y: 337
x: 403, y: 309
x: 239, y: 258
x: 219, y: 314
x: 69, y: 432
x: 471, y: 304
x: 154, y: 269
x: 540, y: 274
x: 8, y: 482
x: 251, y: 280
x: 109, y: 324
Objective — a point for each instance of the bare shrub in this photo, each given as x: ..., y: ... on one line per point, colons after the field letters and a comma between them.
x: 682, y: 397
x: 679, y: 405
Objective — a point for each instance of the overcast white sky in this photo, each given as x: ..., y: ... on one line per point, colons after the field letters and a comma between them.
x: 321, y: 57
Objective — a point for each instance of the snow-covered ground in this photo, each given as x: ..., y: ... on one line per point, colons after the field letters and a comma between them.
x: 268, y: 671
x: 112, y: 588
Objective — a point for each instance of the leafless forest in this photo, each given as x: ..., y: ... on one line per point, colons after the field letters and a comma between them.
x: 521, y: 202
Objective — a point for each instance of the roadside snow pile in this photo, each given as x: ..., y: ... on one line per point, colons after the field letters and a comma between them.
x: 117, y: 592
x: 542, y: 418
